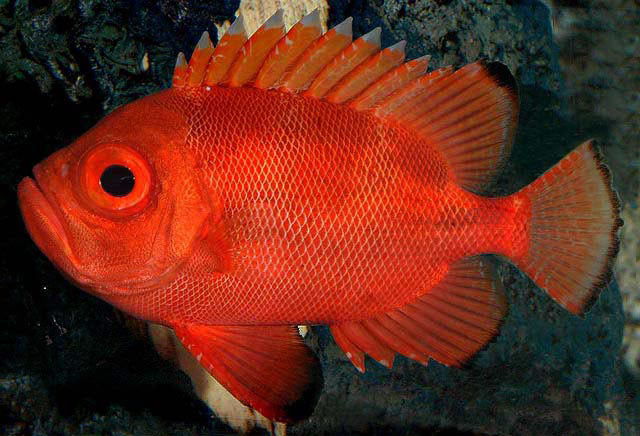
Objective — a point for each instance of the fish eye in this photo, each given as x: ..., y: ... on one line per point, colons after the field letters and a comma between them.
x: 117, y: 180
x: 114, y: 179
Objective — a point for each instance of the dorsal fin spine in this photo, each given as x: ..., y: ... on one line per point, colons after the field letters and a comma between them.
x: 314, y: 58
x: 225, y: 52
x: 199, y: 60
x: 181, y: 71
x: 345, y: 27
x: 288, y: 50
x: 344, y: 63
x: 366, y: 73
x: 390, y: 83
x: 275, y: 21
x: 238, y: 27
x: 253, y: 53
x: 312, y: 18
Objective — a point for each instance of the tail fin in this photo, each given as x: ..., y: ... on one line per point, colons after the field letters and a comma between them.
x: 573, y: 229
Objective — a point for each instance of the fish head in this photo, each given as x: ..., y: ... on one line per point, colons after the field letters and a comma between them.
x: 120, y: 210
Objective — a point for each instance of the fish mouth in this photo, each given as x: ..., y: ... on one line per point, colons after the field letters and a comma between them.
x: 45, y: 225
x: 44, y: 221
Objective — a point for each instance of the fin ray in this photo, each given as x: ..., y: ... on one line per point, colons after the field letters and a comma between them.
x: 402, y: 101
x: 267, y: 367
x: 288, y: 50
x: 389, y: 83
x: 449, y: 323
x: 573, y: 229
x: 353, y: 353
x: 344, y: 63
x: 314, y: 59
x: 367, y: 73
x: 225, y: 52
x: 254, y: 52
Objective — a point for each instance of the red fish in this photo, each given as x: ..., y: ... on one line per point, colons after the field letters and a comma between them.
x: 300, y: 178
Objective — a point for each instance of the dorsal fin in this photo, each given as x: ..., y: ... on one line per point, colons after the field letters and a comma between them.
x: 225, y: 52
x: 199, y: 60
x: 390, y: 82
x: 255, y: 50
x: 288, y: 49
x: 346, y: 61
x: 367, y: 72
x: 469, y: 115
x: 404, y: 99
x: 314, y: 59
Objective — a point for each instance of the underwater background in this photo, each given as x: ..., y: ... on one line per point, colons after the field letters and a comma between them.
x: 71, y: 364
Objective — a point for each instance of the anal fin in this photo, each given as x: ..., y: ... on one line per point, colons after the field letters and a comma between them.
x: 268, y: 368
x: 449, y: 323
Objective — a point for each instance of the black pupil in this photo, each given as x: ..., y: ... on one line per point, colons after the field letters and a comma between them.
x: 117, y: 180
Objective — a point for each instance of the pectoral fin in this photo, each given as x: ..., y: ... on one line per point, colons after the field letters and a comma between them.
x: 268, y: 368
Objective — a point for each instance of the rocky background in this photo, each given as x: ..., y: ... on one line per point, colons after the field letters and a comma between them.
x: 69, y: 363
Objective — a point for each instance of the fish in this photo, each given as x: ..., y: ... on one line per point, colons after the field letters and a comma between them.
x: 305, y: 178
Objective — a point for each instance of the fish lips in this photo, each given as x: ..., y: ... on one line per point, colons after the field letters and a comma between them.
x: 44, y: 223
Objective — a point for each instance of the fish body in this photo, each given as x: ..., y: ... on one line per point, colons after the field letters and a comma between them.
x: 331, y: 216
x: 305, y: 179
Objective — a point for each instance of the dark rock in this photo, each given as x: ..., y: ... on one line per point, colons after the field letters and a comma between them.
x: 456, y: 33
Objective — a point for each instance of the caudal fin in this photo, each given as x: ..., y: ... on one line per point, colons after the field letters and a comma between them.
x: 574, y: 229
